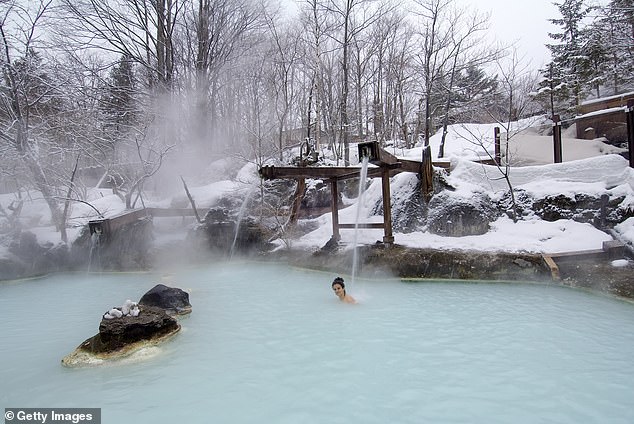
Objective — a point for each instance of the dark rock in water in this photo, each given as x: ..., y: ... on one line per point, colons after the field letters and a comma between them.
x: 171, y: 299
x: 381, y: 260
x: 115, y: 334
x: 12, y: 267
x: 121, y: 337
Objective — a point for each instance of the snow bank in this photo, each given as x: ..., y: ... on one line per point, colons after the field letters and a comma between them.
x: 592, y: 175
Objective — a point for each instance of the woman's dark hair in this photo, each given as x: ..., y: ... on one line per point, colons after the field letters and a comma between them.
x: 339, y: 281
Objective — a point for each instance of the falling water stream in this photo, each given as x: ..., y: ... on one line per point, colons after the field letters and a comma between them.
x: 241, y: 212
x: 95, y: 240
x: 363, y: 174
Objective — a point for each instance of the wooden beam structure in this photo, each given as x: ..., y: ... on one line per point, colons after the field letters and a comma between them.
x: 334, y: 207
x: 270, y: 172
x: 384, y: 166
x: 629, y: 119
x: 388, y: 237
x: 557, y: 139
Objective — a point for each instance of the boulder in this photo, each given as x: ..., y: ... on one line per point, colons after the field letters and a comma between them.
x: 172, y: 300
x: 222, y: 233
x: 121, y: 337
x: 317, y: 199
x: 453, y: 215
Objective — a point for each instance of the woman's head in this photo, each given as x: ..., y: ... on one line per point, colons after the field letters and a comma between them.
x: 339, y: 287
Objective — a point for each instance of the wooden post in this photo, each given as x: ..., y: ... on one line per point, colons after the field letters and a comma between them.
x: 496, y: 137
x: 297, y: 199
x: 388, y: 238
x: 557, y: 138
x: 427, y: 174
x: 629, y: 118
x: 334, y: 207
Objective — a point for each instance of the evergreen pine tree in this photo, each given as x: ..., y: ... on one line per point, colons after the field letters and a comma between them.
x: 474, y: 95
x: 570, y: 64
x: 118, y: 103
x: 617, y: 29
x: 597, y: 53
x: 118, y: 106
x: 553, y: 91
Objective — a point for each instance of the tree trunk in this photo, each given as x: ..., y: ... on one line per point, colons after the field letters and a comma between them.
x: 44, y: 187
x: 359, y: 102
x: 160, y: 40
x: 445, y: 124
x: 345, y: 123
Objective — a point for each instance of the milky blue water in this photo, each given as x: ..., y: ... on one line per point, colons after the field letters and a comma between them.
x: 267, y: 344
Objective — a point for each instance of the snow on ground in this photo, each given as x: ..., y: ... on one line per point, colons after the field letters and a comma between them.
x: 592, y: 176
x: 533, y: 236
x: 586, y: 169
x: 525, y: 145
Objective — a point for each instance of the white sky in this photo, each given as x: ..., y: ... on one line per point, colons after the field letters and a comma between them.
x: 524, y: 22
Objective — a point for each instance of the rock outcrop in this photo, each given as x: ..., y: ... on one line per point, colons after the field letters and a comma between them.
x: 221, y: 233
x: 128, y: 329
x: 456, y: 216
x: 123, y: 336
x: 172, y: 300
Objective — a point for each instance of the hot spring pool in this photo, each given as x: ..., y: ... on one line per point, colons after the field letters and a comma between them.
x: 268, y: 344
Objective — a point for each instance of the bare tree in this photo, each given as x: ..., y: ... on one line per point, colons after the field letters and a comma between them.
x: 517, y: 83
x: 352, y: 24
x: 315, y: 19
x: 286, y: 53
x: 220, y: 33
x: 144, y: 159
x: 384, y: 71
x: 466, y: 50
x: 433, y: 56
x: 24, y: 93
x: 140, y: 29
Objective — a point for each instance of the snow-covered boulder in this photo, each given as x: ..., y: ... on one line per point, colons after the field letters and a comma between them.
x: 453, y: 215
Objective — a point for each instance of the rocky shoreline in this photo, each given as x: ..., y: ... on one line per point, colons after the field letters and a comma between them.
x: 375, y: 261
x: 595, y: 274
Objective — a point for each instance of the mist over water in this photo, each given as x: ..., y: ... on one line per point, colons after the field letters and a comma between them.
x: 199, y: 152
x: 268, y: 343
